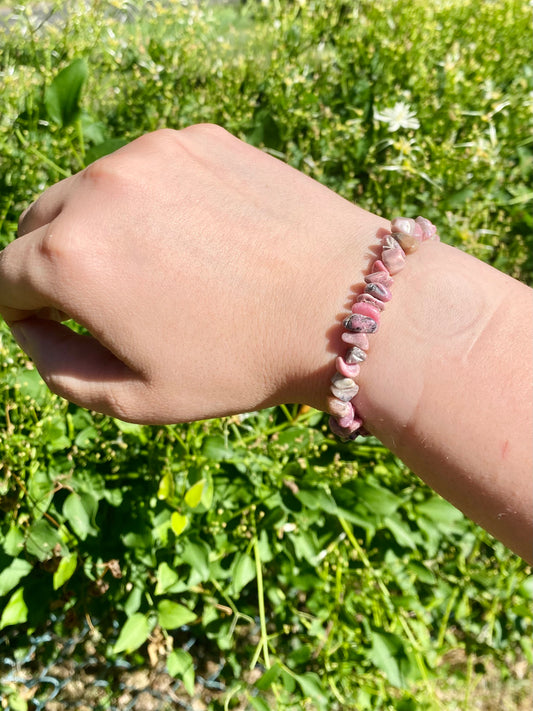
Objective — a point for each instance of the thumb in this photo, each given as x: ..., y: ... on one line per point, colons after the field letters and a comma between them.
x: 79, y: 368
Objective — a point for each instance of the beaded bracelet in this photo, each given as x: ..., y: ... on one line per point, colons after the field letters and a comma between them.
x: 405, y: 237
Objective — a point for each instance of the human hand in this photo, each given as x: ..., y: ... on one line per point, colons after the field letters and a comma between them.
x: 207, y: 272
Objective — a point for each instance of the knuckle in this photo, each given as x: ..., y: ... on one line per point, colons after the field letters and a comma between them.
x: 205, y: 130
x: 52, y: 246
x: 124, y: 403
x: 104, y: 170
x: 62, y: 252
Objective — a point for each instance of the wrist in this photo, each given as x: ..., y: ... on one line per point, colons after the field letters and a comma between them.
x: 328, y: 279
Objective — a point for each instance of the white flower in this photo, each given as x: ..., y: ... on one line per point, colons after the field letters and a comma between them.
x: 400, y: 116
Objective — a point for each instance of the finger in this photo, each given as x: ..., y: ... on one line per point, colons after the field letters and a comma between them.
x: 46, y: 208
x: 26, y: 283
x: 80, y: 369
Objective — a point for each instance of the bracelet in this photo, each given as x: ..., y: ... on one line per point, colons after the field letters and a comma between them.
x: 404, y: 238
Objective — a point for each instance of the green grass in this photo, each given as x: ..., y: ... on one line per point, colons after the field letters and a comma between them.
x: 327, y: 569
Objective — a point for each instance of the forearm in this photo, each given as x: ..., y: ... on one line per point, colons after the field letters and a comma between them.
x: 447, y: 386
x: 220, y: 286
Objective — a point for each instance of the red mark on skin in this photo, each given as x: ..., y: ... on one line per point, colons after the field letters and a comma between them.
x: 505, y: 448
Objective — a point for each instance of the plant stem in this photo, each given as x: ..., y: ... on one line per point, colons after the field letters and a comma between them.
x: 40, y: 155
x: 261, y: 598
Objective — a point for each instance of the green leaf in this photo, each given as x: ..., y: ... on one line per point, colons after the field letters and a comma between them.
x: 172, y: 615
x: 16, y: 610
x: 131, y: 428
x: 387, y: 650
x: 31, y: 384
x: 178, y: 522
x: 43, y: 540
x: 54, y: 433
x: 217, y: 449
x: 180, y: 665
x: 86, y: 437
x: 13, y: 542
x: 376, y: 498
x: 166, y: 578
x: 40, y: 491
x: 134, y: 633
x: 312, y: 688
x: 62, y: 97
x: 266, y: 680
x: 439, y: 510
x: 208, y: 492
x: 258, y: 704
x: 194, y: 494
x: 526, y: 587
x: 318, y: 499
x: 242, y: 572
x: 65, y: 570
x: 401, y: 531
x: 11, y: 576
x: 94, y: 153
x: 196, y: 554
x: 133, y: 601
x: 166, y: 486
x: 80, y: 511
x: 93, y: 130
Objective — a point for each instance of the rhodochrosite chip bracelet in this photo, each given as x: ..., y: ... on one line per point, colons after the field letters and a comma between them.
x: 405, y: 237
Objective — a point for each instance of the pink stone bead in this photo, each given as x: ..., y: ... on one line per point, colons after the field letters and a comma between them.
x: 356, y: 339
x: 378, y: 291
x: 339, y: 409
x: 389, y: 242
x: 409, y: 243
x: 343, y: 387
x: 344, y: 395
x: 349, y: 370
x: 366, y: 310
x: 418, y: 232
x: 369, y: 299
x: 429, y: 231
x: 378, y: 266
x: 346, y: 421
x: 354, y: 355
x: 349, y: 432
x: 358, y: 323
x: 402, y: 225
x: 380, y: 278
x: 394, y: 259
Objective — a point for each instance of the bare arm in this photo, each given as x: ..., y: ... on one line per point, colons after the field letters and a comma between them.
x: 448, y: 387
x: 214, y: 279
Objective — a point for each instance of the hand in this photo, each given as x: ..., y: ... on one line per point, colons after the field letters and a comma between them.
x: 207, y: 273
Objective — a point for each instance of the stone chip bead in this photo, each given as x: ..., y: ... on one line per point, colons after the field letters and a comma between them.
x: 356, y: 339
x: 366, y: 310
x: 393, y: 256
x: 407, y: 233
x: 378, y: 291
x: 355, y: 355
x: 405, y: 226
x: 357, y: 323
x: 405, y: 238
x: 338, y: 408
x: 381, y: 277
x: 429, y: 231
x: 343, y: 388
x: 365, y: 298
x: 349, y: 370
x: 346, y: 433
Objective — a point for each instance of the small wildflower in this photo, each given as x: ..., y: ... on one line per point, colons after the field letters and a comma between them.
x: 400, y: 116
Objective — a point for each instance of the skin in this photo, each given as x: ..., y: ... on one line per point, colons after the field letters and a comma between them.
x: 213, y: 280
